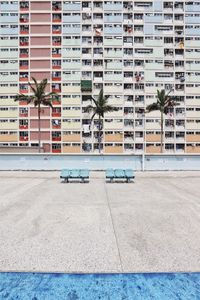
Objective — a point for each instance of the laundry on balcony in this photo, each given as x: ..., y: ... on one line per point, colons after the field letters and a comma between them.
x: 24, y: 18
x: 181, y: 45
x: 98, y: 31
x: 128, y: 29
x: 56, y: 5
x: 138, y: 76
x: 86, y: 128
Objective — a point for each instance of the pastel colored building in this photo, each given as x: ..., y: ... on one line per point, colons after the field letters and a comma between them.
x: 130, y: 48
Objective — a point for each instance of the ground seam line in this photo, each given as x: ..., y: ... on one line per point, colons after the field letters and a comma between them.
x: 120, y: 259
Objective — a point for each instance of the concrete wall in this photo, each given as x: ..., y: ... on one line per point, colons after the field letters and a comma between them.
x: 57, y: 162
x: 172, y: 162
x: 99, y: 162
x: 15, y: 150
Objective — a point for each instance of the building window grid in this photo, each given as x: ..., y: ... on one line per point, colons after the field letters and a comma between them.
x: 173, y: 83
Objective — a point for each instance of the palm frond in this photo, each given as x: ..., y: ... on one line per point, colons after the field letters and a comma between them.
x: 100, y: 96
x: 106, y: 97
x: 36, y: 102
x: 94, y: 114
x: 109, y: 108
x: 34, y: 90
x: 95, y: 101
x: 43, y: 85
x: 52, y: 94
x: 90, y: 108
x: 101, y: 106
x: 152, y: 107
x: 22, y: 97
x: 46, y: 102
x: 35, y: 82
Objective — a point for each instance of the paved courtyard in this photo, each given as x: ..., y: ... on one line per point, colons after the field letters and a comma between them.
x: 147, y: 226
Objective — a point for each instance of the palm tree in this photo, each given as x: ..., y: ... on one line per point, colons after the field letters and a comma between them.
x: 164, y: 104
x: 100, y: 107
x: 39, y: 97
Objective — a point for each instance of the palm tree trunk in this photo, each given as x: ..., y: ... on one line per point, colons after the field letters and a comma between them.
x: 39, y: 129
x: 99, y: 135
x: 162, y: 132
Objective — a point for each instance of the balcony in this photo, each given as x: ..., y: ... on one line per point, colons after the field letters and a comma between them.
x: 113, y: 6
x: 56, y: 30
x: 24, y: 42
x: 56, y: 54
x: 23, y: 67
x: 56, y: 102
x: 56, y: 124
x: 57, y: 78
x: 23, y: 138
x: 56, y: 88
x: 71, y: 6
x: 56, y: 42
x: 56, y: 150
x: 24, y: 6
x: 24, y: 19
x: 191, y: 7
x: 9, y: 31
x: 86, y: 85
x: 9, y: 19
x: 23, y: 114
x: 72, y: 19
x: 56, y: 67
x: 113, y: 30
x: 56, y: 19
x: 98, y: 7
x: 56, y: 136
x: 8, y: 7
x: 24, y: 31
x: 23, y: 55
x: 23, y: 126
x: 9, y: 137
x: 56, y: 6
x: 71, y: 30
x: 113, y: 19
x: 56, y: 113
x: 23, y: 91
x: 23, y: 79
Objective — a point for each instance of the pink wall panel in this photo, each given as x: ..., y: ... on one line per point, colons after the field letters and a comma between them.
x: 41, y: 75
x: 41, y: 5
x: 40, y: 29
x: 40, y: 18
x: 40, y: 64
x: 48, y: 88
x: 46, y: 147
x: 40, y: 52
x: 45, y: 112
x: 44, y: 123
x: 40, y: 41
x: 45, y: 135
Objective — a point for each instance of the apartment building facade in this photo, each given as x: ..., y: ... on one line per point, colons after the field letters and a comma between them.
x: 130, y: 48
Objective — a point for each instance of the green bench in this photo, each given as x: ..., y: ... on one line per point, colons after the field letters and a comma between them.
x: 126, y: 174
x: 81, y: 174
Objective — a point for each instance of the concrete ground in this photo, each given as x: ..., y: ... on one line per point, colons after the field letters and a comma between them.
x: 152, y: 225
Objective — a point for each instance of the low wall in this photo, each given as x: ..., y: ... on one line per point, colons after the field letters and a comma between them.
x: 172, y: 162
x: 58, y: 162
x: 145, y: 162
